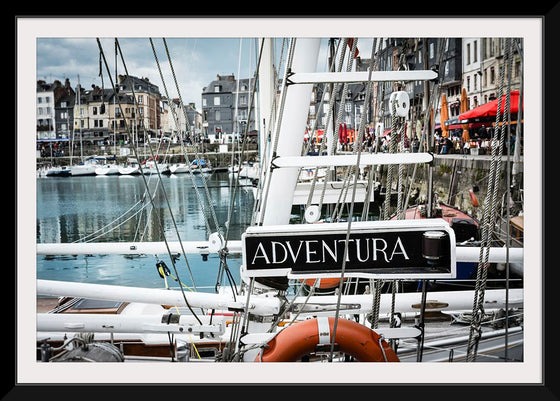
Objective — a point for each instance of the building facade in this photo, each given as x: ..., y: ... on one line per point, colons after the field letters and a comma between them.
x: 225, y: 108
x: 137, y: 111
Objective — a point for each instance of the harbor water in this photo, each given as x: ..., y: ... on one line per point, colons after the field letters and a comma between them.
x: 118, y: 209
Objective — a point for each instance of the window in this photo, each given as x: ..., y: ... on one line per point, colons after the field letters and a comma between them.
x: 94, y: 110
x: 63, y: 104
x: 204, y: 102
x: 216, y: 101
x: 432, y: 55
x: 217, y: 115
x: 468, y: 53
x: 475, y: 53
x: 468, y: 84
x: 140, y: 99
x: 217, y: 88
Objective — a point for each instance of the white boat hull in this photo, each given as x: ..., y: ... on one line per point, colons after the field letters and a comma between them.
x: 129, y: 170
x: 81, y: 170
x: 107, y: 170
x: 179, y: 168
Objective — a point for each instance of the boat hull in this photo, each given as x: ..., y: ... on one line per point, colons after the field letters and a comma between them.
x: 107, y: 170
x: 83, y: 170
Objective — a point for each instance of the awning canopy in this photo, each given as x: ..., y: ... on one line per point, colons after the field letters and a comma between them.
x: 488, y: 110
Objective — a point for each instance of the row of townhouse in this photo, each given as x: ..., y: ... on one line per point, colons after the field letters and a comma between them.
x: 134, y: 112
x: 472, y: 64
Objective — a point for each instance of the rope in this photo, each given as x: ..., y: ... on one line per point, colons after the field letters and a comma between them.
x: 224, y: 250
x: 287, y: 71
x: 358, y: 148
x: 204, y: 183
x: 143, y: 176
x: 489, y: 211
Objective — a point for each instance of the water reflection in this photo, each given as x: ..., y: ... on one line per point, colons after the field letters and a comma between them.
x: 118, y: 208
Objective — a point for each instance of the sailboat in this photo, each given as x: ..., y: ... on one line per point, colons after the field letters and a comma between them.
x: 266, y: 318
x: 130, y: 168
x: 105, y: 167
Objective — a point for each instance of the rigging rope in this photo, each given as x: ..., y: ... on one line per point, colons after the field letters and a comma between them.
x: 143, y: 177
x: 490, y: 208
x: 358, y: 149
x: 263, y: 199
x: 204, y: 183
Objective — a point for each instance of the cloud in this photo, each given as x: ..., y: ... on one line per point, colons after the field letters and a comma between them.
x: 196, y: 61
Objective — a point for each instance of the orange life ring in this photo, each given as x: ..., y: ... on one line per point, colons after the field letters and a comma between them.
x: 323, y: 283
x: 474, y: 199
x: 353, y: 338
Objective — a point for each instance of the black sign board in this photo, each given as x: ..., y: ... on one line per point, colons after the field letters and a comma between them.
x: 407, y: 252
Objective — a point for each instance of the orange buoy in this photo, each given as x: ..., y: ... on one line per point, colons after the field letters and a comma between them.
x: 474, y: 199
x: 352, y: 338
x: 323, y: 283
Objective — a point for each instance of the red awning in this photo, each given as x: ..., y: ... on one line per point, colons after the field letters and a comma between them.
x: 489, y: 109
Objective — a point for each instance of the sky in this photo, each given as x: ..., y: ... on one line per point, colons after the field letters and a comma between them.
x: 196, y: 61
x: 199, y: 48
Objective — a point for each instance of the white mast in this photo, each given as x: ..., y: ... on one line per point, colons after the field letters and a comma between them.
x: 266, y: 92
x: 290, y: 134
x: 80, y: 118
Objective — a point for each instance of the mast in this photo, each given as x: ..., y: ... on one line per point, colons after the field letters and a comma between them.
x: 266, y: 92
x: 429, y: 130
x: 80, y: 118
x: 289, y: 134
x: 115, y: 108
